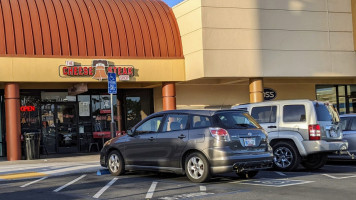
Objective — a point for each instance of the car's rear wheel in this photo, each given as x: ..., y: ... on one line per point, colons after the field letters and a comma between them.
x: 286, y: 156
x: 197, y: 167
x: 315, y: 161
x: 247, y: 174
x: 115, y: 163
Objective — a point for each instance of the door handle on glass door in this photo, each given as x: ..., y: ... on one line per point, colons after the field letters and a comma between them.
x: 271, y: 126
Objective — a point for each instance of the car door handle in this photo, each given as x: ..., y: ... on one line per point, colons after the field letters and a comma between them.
x: 271, y: 126
x: 181, y: 136
x: 151, y: 138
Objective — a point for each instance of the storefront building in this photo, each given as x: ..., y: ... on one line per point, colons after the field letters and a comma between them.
x: 289, y: 49
x: 55, y: 57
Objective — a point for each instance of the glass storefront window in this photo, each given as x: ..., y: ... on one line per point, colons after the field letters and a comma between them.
x: 30, y: 114
x: 343, y: 97
x: 101, y: 112
x: 326, y: 93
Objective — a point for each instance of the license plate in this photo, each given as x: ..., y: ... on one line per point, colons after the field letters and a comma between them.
x: 249, y: 142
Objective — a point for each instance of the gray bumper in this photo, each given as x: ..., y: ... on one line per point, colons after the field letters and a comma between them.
x: 242, y: 163
x: 324, y: 146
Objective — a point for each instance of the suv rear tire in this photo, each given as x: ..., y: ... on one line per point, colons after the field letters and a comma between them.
x: 286, y: 156
x: 315, y: 161
x: 197, y: 167
x: 115, y: 163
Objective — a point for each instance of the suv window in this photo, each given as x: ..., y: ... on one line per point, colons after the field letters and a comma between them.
x: 235, y: 120
x: 294, y: 113
x: 326, y: 112
x: 200, y: 121
x: 344, y: 123
x: 264, y: 114
x: 150, y: 126
x: 174, y: 122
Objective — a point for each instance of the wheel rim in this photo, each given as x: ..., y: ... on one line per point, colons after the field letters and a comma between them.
x: 114, y: 163
x: 283, y: 157
x: 195, y: 167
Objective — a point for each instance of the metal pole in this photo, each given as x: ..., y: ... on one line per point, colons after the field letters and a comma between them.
x: 112, y: 124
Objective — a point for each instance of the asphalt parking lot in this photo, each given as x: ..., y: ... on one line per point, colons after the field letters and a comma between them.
x: 336, y: 180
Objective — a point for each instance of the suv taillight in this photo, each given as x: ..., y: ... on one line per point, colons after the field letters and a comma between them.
x: 220, y: 134
x: 314, y: 132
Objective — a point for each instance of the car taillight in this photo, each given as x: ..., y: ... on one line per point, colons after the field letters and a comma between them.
x: 220, y: 134
x: 314, y: 132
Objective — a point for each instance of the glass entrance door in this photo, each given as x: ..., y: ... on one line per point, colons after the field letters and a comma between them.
x: 67, y: 131
x: 59, y: 127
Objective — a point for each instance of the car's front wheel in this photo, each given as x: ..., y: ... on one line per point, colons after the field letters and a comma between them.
x: 315, y: 161
x: 247, y: 174
x: 197, y: 167
x: 115, y: 163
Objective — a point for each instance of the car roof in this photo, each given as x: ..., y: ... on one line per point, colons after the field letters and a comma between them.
x: 197, y: 112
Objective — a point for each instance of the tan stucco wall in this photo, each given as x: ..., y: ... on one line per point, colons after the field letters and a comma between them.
x: 215, y: 96
x: 267, y: 38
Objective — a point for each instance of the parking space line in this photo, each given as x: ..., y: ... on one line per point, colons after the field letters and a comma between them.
x: 150, y: 192
x: 30, y: 183
x: 280, y: 173
x: 344, y: 177
x: 98, y: 194
x: 203, y: 188
x: 68, y: 184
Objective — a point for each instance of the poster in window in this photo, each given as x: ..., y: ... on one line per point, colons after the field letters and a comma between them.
x: 84, y: 109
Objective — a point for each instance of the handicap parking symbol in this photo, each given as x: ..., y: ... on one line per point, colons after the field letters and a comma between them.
x: 275, y: 182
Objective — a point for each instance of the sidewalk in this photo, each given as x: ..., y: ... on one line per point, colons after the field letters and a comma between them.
x: 51, y: 165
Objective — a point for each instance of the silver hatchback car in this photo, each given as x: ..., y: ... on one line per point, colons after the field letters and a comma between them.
x: 198, y: 143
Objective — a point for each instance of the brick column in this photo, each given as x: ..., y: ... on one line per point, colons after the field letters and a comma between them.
x: 12, y: 118
x: 169, y: 95
x: 256, y: 90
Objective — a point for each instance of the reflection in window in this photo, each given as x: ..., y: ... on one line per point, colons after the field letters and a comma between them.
x: 175, y: 123
x: 101, y: 112
x: 265, y: 114
x: 200, y: 122
x: 294, y: 113
x: 30, y: 113
x: 133, y: 111
x: 150, y: 126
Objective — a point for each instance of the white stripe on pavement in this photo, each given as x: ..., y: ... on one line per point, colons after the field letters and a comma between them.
x: 150, y: 192
x: 70, y: 183
x: 27, y: 184
x: 203, y: 188
x: 98, y: 194
x: 280, y: 173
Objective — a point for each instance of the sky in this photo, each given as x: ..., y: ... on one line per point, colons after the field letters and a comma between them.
x: 172, y: 2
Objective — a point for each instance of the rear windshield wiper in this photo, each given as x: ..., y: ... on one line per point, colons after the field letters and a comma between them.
x: 243, y: 125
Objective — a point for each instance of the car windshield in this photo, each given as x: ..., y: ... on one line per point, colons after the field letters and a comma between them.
x: 235, y: 120
x: 344, y: 121
x: 326, y: 112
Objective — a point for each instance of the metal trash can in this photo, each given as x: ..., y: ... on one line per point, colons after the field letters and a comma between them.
x: 32, y: 145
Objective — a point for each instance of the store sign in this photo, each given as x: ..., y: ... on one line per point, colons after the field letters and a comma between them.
x: 98, y: 70
x: 27, y: 108
x: 269, y: 94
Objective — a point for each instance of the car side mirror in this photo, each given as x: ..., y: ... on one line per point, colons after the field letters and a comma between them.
x: 130, y: 132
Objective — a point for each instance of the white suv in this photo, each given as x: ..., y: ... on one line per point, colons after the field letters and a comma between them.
x: 300, y: 131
